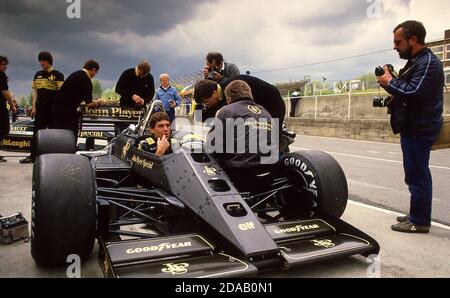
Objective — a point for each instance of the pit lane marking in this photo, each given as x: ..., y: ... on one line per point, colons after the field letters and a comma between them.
x: 348, y: 140
x: 435, y: 224
x: 370, y: 158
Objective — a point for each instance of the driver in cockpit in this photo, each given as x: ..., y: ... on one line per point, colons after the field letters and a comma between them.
x: 160, y: 141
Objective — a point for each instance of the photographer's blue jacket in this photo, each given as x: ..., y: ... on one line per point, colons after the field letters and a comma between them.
x: 421, y: 88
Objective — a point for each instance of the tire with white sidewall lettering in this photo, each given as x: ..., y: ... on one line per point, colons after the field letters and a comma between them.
x: 321, y: 185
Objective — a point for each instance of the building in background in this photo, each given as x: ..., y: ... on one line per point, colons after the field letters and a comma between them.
x: 441, y: 48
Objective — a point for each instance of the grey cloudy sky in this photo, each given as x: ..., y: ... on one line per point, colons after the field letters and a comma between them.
x: 175, y: 35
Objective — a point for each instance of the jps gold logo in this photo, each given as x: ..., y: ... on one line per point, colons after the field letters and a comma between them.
x: 176, y: 269
x: 247, y: 226
x: 324, y: 243
x: 210, y: 171
x: 254, y: 109
x: 125, y: 149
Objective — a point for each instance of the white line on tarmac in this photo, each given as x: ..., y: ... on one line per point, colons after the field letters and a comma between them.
x: 435, y: 224
x: 349, y: 140
x: 371, y: 158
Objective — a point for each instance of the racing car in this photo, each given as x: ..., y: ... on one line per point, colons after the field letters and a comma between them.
x: 100, y: 123
x: 180, y: 215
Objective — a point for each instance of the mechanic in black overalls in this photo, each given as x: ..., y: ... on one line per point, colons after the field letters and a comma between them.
x: 46, y: 84
x: 210, y: 98
x: 5, y: 96
x: 76, y: 89
x: 160, y: 142
x: 136, y: 87
x: 244, y: 158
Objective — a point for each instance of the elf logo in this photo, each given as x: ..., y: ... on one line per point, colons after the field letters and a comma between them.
x: 247, y: 226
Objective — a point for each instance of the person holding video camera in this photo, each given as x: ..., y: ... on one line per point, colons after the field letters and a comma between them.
x: 217, y: 69
x: 417, y: 108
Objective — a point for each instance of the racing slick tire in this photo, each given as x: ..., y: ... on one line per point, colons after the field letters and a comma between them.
x: 322, y: 182
x: 50, y: 141
x: 64, y: 210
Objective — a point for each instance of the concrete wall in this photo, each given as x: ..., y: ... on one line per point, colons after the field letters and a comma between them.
x: 366, y: 130
x: 350, y: 107
x: 344, y: 116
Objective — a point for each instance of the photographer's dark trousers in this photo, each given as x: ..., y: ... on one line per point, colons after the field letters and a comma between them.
x: 43, y: 119
x: 416, y: 158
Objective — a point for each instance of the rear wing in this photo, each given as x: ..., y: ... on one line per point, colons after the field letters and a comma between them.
x: 111, y: 114
x: 106, y: 121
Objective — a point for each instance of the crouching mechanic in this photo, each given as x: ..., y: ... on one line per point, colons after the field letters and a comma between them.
x: 210, y: 97
x: 160, y: 142
x: 242, y: 137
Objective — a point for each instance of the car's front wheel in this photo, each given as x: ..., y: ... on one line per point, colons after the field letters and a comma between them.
x: 319, y: 182
x: 63, y: 209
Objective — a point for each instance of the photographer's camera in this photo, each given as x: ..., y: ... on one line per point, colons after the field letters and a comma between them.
x: 211, y: 72
x: 382, y: 102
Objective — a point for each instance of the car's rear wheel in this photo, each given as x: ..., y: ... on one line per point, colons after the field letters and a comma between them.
x: 63, y: 209
x: 319, y: 182
x: 50, y: 141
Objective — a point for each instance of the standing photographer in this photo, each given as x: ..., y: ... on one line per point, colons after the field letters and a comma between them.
x: 217, y: 69
x: 417, y: 110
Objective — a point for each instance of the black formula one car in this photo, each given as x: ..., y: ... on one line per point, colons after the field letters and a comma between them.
x: 179, y: 215
x: 100, y: 123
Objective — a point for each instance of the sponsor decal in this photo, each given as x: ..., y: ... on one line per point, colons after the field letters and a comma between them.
x: 252, y: 123
x: 247, y: 226
x: 19, y: 128
x: 297, y: 229
x: 176, y: 269
x: 91, y: 134
x: 158, y: 248
x: 324, y: 243
x: 142, y: 162
x: 210, y: 171
x: 114, y: 112
x: 303, y: 167
x: 125, y: 149
x: 254, y: 109
x: 16, y: 144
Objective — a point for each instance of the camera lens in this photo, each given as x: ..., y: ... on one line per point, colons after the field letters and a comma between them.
x: 379, y: 71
